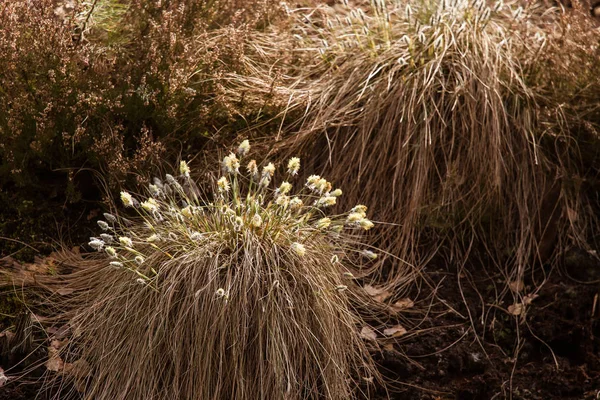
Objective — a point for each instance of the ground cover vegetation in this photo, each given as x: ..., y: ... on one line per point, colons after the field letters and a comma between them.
x: 470, y: 129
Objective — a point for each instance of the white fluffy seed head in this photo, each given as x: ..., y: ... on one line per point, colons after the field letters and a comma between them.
x: 256, y: 221
x: 293, y: 166
x: 111, y: 251
x: 110, y: 218
x: 326, y: 201
x: 126, y: 199
x: 96, y: 244
x: 268, y: 170
x: 296, y: 203
x: 284, y: 188
x: 299, y: 249
x: 243, y: 148
x: 231, y: 164
x: 369, y: 254
x: 150, y: 205
x: 323, y: 223
x: 187, y: 212
x: 184, y: 169
x: 153, y: 238
x: 366, y: 224
x: 125, y: 241
x: 223, y: 185
x: 106, y: 237
x: 252, y: 168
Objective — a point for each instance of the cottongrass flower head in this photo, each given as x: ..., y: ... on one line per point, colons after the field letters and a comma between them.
x: 110, y: 218
x: 269, y: 170
x: 126, y: 199
x: 150, y: 205
x: 125, y: 241
x: 296, y: 203
x: 231, y: 164
x: 154, y: 190
x: 299, y: 249
x: 223, y: 185
x: 284, y: 188
x: 293, y: 166
x: 252, y: 169
x: 209, y: 285
x: 244, y: 148
x: 112, y: 253
x: 103, y: 225
x: 96, y: 244
x: 184, y: 169
x: 106, y: 238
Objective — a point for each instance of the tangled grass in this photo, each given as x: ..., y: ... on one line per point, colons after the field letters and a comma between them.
x: 434, y: 112
x: 245, y: 292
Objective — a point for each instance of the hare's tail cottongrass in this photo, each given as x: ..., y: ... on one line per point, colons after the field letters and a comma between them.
x: 245, y: 293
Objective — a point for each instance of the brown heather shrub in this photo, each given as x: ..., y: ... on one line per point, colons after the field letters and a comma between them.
x: 108, y: 84
x: 450, y: 120
x: 245, y: 292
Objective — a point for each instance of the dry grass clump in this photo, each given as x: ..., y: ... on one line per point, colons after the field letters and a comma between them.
x: 242, y: 293
x: 428, y: 110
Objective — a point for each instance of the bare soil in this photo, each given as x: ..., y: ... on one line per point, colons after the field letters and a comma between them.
x: 557, y: 338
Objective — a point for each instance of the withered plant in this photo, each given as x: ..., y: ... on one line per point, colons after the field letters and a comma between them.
x: 433, y: 112
x: 106, y: 84
x: 244, y: 292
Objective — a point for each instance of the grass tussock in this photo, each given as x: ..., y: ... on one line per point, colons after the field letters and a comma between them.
x: 244, y: 292
x: 432, y: 111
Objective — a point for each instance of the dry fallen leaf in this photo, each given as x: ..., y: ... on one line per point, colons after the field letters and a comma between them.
x: 378, y: 294
x: 389, y: 347
x: 516, y: 309
x: 402, y: 304
x: 54, y: 363
x: 368, y: 333
x: 529, y: 298
x: 93, y: 214
x: 79, y: 370
x: 58, y: 344
x: 516, y: 286
x: 395, y: 331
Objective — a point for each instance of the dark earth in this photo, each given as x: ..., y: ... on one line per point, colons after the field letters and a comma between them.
x: 558, y: 341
